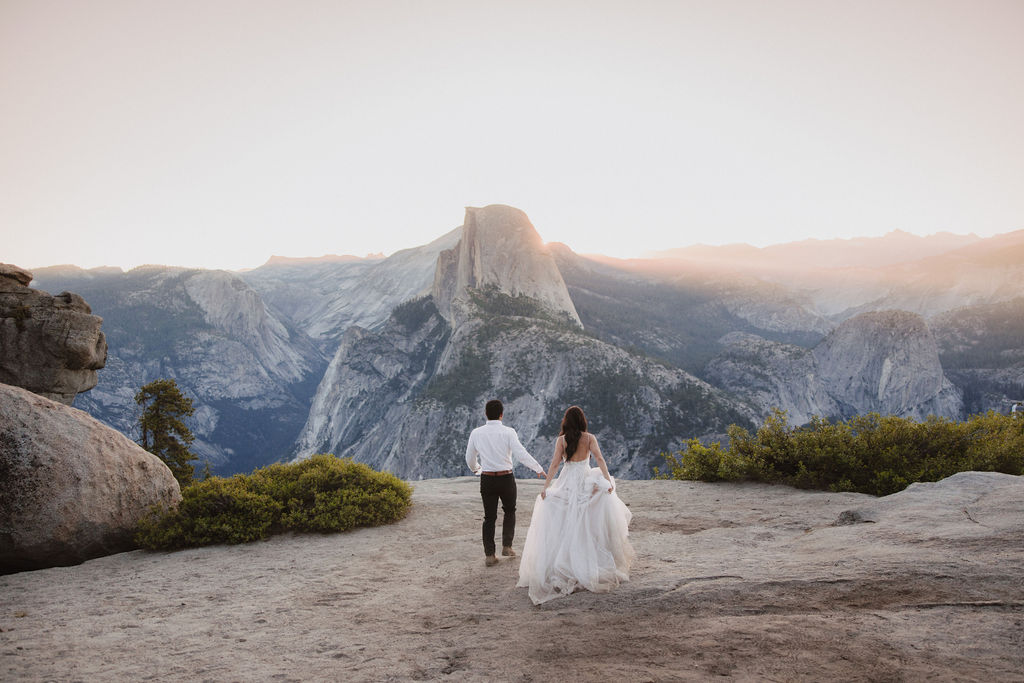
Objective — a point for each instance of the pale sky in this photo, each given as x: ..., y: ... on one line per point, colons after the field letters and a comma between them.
x: 215, y: 133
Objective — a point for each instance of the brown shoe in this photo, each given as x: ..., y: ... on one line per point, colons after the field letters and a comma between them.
x: 508, y: 552
x: 490, y: 560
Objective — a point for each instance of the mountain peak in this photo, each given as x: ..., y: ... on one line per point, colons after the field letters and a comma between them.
x: 500, y: 248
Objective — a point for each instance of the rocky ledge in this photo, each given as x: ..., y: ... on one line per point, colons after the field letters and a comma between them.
x: 746, y: 581
x: 50, y: 345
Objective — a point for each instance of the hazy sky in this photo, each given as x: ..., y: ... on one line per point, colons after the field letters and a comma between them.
x: 215, y: 133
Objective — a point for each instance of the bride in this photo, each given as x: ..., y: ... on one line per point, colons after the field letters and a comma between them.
x: 578, y: 537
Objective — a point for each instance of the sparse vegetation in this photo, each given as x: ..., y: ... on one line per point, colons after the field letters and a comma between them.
x: 491, y: 301
x: 413, y: 313
x: 321, y: 494
x: 464, y: 383
x: 869, y: 453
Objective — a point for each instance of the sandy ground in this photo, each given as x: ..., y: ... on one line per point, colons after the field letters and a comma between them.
x: 732, y: 580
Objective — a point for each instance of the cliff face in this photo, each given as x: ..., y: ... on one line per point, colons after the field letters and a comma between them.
x: 50, y: 345
x: 500, y: 249
x: 323, y: 299
x: 885, y: 362
x: 499, y: 323
x: 769, y: 375
x: 248, y: 373
x: 405, y: 397
x: 419, y: 340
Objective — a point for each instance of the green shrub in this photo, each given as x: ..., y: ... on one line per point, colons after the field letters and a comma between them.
x: 703, y: 463
x: 322, y: 494
x: 869, y: 453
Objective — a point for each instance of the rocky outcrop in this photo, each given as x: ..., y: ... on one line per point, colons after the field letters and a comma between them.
x: 978, y: 503
x: 736, y: 582
x: 50, y: 345
x: 500, y: 249
x: 885, y: 362
x: 70, y: 488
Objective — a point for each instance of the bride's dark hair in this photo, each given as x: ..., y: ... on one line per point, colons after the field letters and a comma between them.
x: 573, y: 425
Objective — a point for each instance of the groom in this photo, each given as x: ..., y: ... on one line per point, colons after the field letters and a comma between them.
x: 496, y: 445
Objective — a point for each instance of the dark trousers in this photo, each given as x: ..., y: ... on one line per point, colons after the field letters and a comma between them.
x: 493, y: 489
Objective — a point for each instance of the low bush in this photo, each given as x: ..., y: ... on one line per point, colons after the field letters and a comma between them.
x: 322, y: 494
x: 869, y: 453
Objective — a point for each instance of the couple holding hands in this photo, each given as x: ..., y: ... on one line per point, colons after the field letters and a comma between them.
x: 579, y: 532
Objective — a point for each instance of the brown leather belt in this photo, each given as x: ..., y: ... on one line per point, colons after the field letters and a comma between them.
x: 497, y: 474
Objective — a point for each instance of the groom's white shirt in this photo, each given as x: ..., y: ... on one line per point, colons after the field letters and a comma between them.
x: 496, y: 445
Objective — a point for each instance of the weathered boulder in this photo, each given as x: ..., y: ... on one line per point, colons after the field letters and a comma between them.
x: 50, y: 345
x: 71, y: 488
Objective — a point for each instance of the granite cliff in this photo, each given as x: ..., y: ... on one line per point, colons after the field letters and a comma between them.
x: 884, y: 361
x: 314, y: 354
x: 403, y: 397
x: 248, y: 371
x: 499, y: 249
x: 322, y: 299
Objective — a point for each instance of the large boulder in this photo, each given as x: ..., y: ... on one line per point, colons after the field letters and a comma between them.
x: 50, y: 345
x: 71, y: 488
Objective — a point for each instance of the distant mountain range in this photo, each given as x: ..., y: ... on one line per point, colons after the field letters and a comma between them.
x: 813, y: 254
x: 389, y: 360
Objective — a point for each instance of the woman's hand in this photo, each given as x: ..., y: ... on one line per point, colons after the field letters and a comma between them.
x: 610, y: 489
x: 544, y: 494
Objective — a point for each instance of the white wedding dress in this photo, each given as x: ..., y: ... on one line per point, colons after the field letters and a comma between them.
x: 578, y: 537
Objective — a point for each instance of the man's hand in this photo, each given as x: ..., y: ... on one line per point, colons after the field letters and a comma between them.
x: 541, y: 475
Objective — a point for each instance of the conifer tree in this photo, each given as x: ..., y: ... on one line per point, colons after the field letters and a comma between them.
x: 163, y: 432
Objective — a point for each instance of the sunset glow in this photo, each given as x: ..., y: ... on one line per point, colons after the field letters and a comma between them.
x: 217, y: 134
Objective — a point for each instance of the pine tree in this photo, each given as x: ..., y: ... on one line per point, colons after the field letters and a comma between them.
x: 163, y: 432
